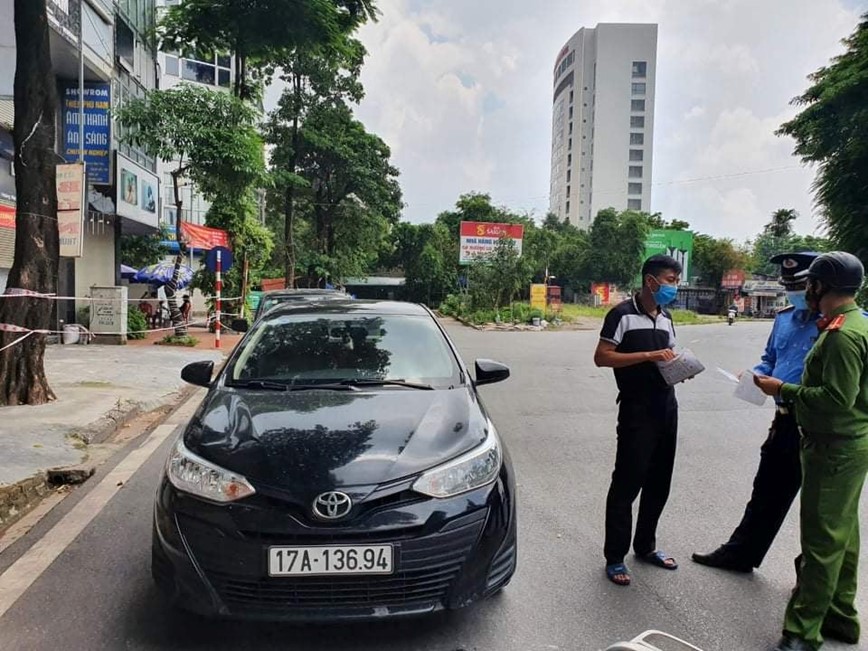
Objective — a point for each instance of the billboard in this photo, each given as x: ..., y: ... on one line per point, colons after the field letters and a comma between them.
x: 203, y: 237
x: 97, y: 129
x: 138, y: 192
x: 478, y: 239
x: 676, y: 244
x: 70, y: 209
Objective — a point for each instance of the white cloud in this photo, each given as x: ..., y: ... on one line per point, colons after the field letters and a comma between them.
x: 726, y: 73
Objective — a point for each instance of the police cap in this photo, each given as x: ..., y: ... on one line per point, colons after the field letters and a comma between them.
x: 792, y: 264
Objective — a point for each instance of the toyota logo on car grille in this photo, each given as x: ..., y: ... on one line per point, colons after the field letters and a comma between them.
x: 332, y: 505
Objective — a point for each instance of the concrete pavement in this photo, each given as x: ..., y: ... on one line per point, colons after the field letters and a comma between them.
x: 557, y: 415
x: 97, y: 388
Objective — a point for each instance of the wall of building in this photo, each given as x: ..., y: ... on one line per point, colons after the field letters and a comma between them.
x: 97, y: 264
x: 592, y: 121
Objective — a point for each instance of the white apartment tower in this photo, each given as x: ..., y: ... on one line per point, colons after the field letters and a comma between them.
x: 603, y: 121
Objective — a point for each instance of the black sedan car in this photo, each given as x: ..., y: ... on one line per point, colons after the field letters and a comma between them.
x: 281, y: 296
x: 341, y: 466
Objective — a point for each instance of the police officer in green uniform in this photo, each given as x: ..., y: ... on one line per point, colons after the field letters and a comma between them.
x: 832, y: 411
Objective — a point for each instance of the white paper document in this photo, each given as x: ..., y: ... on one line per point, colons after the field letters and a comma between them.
x: 746, y: 389
x: 683, y: 367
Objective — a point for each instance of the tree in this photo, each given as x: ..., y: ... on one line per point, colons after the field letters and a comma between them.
x: 315, y: 76
x: 211, y: 139
x: 616, y: 243
x: 422, y: 252
x: 781, y: 224
x: 832, y: 132
x: 713, y: 257
x: 259, y: 34
x: 496, y: 279
x: 141, y: 250
x: 35, y: 266
x: 352, y: 196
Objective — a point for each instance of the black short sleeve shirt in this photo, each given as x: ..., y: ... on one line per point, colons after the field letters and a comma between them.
x: 633, y: 330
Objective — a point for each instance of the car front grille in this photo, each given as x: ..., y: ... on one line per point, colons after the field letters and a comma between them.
x: 425, y: 568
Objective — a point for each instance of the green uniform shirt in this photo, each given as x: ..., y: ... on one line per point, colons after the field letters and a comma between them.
x: 833, y: 396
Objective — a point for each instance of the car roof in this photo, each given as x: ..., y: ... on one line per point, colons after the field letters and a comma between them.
x: 371, y: 307
x: 311, y: 291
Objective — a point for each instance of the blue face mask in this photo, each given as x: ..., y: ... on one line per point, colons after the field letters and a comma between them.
x: 665, y: 294
x: 797, y: 299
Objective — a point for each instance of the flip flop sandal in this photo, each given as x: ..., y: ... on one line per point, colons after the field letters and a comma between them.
x: 659, y: 559
x: 613, y: 571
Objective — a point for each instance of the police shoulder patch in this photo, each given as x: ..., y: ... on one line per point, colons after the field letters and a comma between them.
x: 837, y: 322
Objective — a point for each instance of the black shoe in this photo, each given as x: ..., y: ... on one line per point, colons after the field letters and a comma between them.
x: 724, y: 559
x: 789, y: 643
x: 833, y: 632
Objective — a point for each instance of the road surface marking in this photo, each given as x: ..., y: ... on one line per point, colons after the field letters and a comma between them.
x: 18, y: 578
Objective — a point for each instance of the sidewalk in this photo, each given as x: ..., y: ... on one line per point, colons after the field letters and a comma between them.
x: 98, y: 388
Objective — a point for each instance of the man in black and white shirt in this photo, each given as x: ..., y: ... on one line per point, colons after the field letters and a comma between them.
x: 636, y: 335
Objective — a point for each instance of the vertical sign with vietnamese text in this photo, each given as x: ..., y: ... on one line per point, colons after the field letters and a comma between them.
x: 70, y: 209
x: 97, y: 130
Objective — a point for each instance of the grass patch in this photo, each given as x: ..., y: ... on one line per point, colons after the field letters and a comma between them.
x: 187, y: 341
x: 95, y: 384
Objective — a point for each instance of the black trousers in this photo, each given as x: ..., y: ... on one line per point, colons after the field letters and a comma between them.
x: 775, y: 486
x: 647, y: 434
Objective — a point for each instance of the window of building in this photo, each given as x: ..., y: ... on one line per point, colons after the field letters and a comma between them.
x: 571, y: 113
x: 569, y: 192
x: 637, y: 138
x: 634, y: 204
x: 568, y: 206
x: 640, y: 69
x: 638, y: 88
x: 637, y: 155
x: 572, y: 96
x: 172, y: 66
x: 571, y: 128
x: 571, y: 143
x: 637, y: 121
x: 635, y: 172
x: 569, y: 175
x: 637, y: 105
x: 569, y: 159
x: 634, y: 188
x: 201, y: 66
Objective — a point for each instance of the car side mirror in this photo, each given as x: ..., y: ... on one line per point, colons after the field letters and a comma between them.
x: 198, y: 373
x: 489, y: 372
x: 240, y: 325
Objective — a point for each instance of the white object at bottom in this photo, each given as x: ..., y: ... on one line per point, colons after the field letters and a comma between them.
x: 654, y: 641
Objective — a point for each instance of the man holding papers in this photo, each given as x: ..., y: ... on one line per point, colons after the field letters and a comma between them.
x: 637, y: 335
x: 779, y: 475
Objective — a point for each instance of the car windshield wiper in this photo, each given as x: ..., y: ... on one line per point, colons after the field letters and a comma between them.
x: 258, y: 385
x: 269, y: 385
x: 390, y: 383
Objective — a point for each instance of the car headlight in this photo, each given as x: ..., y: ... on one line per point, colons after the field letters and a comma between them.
x: 192, y: 474
x: 472, y: 470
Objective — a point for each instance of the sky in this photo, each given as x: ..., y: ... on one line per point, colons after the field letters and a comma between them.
x: 461, y: 92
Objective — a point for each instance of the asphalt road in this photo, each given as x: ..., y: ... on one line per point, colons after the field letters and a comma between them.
x: 557, y: 414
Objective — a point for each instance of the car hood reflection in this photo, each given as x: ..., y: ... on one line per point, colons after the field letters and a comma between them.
x: 322, y: 439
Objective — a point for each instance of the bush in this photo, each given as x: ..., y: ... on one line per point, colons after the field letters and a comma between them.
x: 137, y: 323
x: 82, y: 316
x: 173, y: 340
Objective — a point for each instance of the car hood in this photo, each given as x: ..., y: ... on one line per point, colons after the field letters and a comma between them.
x: 311, y: 440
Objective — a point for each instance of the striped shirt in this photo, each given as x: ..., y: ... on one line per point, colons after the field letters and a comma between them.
x: 632, y: 330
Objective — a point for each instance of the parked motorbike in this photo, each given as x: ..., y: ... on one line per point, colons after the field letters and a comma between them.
x: 730, y: 317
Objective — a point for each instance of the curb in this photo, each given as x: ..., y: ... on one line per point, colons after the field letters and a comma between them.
x: 22, y: 496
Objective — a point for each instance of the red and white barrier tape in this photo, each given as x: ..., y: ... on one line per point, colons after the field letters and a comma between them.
x: 14, y: 292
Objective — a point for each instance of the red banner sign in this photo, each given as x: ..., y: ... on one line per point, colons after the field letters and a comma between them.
x: 733, y: 279
x: 479, y: 239
x: 203, y: 237
x: 7, y: 216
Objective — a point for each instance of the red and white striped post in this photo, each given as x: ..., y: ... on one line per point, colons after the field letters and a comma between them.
x: 218, y: 306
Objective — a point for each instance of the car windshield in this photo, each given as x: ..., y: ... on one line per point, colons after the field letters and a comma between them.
x: 304, y: 349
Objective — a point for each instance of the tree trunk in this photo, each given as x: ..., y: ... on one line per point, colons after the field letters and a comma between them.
x: 171, y: 287
x: 22, y: 370
x: 289, y: 207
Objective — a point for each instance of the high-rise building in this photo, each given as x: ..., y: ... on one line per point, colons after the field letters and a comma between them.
x: 603, y: 121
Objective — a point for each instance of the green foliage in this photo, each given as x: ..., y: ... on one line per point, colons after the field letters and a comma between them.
x: 137, y: 323
x: 781, y: 224
x: 210, y: 135
x: 348, y: 196
x: 713, y: 257
x: 261, y: 34
x: 831, y: 131
x: 616, y: 245
x: 778, y: 237
x: 142, y: 250
x: 497, y: 279
x: 82, y: 316
x: 186, y: 341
